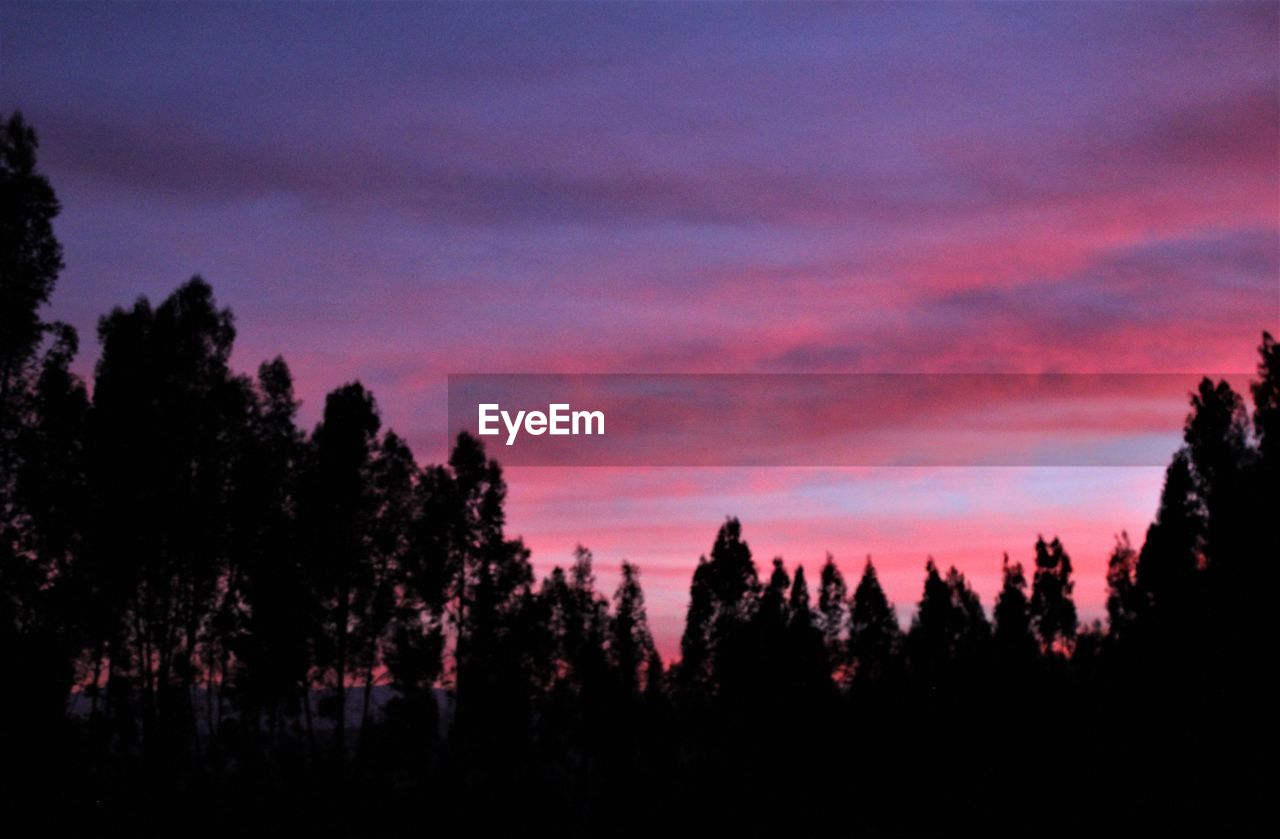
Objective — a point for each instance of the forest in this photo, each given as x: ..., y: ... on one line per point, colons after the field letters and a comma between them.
x: 212, y: 617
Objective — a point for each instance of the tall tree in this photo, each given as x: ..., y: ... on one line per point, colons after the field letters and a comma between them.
x: 773, y: 611
x: 393, y: 479
x: 695, y: 641
x: 833, y: 612
x: 42, y: 410
x: 30, y: 260
x: 338, y: 514
x: 873, y: 629
x: 1266, y: 429
x: 41, y: 594
x: 1123, y: 596
x: 1216, y: 434
x: 487, y: 596
x: 1266, y: 402
x: 949, y: 633
x: 1171, y: 555
x: 415, y: 658
x: 809, y: 670
x: 969, y: 629
x: 165, y: 434
x: 1014, y: 644
x: 718, y: 635
x: 1053, y: 610
x: 767, y: 645
x: 732, y: 576
x: 929, y: 638
x: 735, y: 595
x: 272, y: 652
x: 578, y: 619
x: 630, y: 642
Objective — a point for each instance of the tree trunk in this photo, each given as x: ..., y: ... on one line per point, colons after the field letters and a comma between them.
x: 311, y: 730
x: 340, y: 727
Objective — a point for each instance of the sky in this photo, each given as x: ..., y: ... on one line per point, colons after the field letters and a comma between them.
x: 399, y: 192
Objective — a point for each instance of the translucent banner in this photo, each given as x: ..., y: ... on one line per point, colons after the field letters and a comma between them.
x: 824, y: 419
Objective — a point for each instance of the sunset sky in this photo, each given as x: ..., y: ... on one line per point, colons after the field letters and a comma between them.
x: 400, y: 192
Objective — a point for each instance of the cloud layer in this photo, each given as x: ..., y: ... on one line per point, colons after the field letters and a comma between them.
x: 402, y: 193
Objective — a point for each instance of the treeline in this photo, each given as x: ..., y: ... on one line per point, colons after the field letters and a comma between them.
x: 222, y: 598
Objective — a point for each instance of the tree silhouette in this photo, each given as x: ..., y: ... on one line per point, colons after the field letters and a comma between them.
x: 717, y: 644
x: 695, y: 641
x: 1052, y: 609
x: 631, y: 647
x: 1216, y: 434
x: 928, y: 640
x: 577, y: 622
x: 43, y: 410
x: 969, y: 629
x: 1266, y: 428
x: 488, y: 600
x: 338, y: 513
x: 415, y: 655
x: 1124, y: 604
x: 271, y: 645
x: 1171, y: 554
x: 1266, y: 401
x: 949, y: 634
x: 164, y: 436
x: 30, y: 261
x: 833, y: 614
x: 393, y: 479
x: 39, y: 583
x: 735, y: 594
x: 873, y: 629
x: 772, y: 614
x: 809, y: 670
x: 766, y: 651
x: 1014, y: 645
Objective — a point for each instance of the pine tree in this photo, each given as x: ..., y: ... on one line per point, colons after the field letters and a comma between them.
x: 735, y: 596
x: 1171, y: 555
x: 929, y: 638
x: 949, y: 634
x: 765, y: 651
x: 732, y: 578
x: 716, y: 644
x: 833, y: 613
x: 799, y: 610
x: 630, y: 642
x: 772, y: 613
x: 873, y: 629
x: 808, y: 669
x: 970, y: 632
x: 695, y: 641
